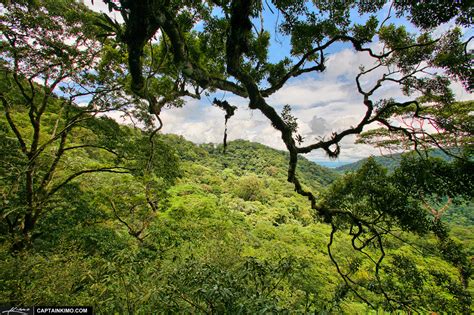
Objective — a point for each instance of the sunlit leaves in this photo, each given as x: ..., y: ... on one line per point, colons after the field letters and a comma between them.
x: 431, y: 14
x: 372, y: 195
x: 365, y: 33
x: 289, y: 119
x: 453, y: 56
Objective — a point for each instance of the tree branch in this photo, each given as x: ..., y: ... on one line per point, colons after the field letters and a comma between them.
x: 91, y: 146
x: 12, y: 124
x: 118, y: 170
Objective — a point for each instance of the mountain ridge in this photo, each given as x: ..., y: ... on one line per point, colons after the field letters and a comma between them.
x: 390, y: 161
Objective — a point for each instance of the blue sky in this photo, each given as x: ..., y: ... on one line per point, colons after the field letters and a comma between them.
x: 323, y: 103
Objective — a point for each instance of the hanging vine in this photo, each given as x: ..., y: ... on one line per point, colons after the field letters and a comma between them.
x: 229, y: 112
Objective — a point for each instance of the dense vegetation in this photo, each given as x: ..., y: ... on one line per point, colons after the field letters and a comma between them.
x: 228, y: 235
x: 129, y: 220
x: 391, y: 161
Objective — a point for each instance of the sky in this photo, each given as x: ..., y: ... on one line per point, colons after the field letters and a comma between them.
x: 323, y: 103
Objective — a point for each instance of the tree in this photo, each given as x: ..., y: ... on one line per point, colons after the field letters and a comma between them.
x: 430, y: 124
x: 48, y: 60
x: 52, y: 48
x: 238, y: 62
x: 376, y: 204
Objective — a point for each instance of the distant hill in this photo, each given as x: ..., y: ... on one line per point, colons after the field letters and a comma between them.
x: 245, y: 156
x: 390, y: 161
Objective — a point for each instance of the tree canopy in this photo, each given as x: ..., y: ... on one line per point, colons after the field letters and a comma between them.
x: 150, y: 200
x: 193, y: 52
x: 420, y: 63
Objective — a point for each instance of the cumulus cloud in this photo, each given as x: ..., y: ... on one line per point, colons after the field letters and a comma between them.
x: 322, y: 103
x: 309, y: 92
x: 319, y: 125
x: 100, y: 6
x: 201, y: 122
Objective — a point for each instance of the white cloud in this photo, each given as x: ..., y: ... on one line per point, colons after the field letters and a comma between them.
x: 100, y: 6
x: 319, y: 125
x: 323, y: 103
x: 203, y: 123
x: 308, y: 92
x: 460, y: 92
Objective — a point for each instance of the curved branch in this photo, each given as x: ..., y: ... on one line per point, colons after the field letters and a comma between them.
x: 12, y: 124
x: 117, y: 170
x: 91, y: 146
x: 133, y: 232
x: 339, y: 271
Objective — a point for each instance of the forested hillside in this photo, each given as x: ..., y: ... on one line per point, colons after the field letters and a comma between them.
x: 222, y: 233
x: 253, y: 157
x: 392, y: 161
x: 127, y: 219
x: 459, y: 215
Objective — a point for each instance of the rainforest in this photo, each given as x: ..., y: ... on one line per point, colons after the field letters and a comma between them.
x: 103, y: 209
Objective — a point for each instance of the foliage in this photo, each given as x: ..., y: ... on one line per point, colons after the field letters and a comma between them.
x: 243, y: 156
x: 451, y: 127
x: 47, y: 64
x: 392, y: 161
x: 133, y: 221
x: 209, y: 249
x: 420, y: 65
x: 372, y: 195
